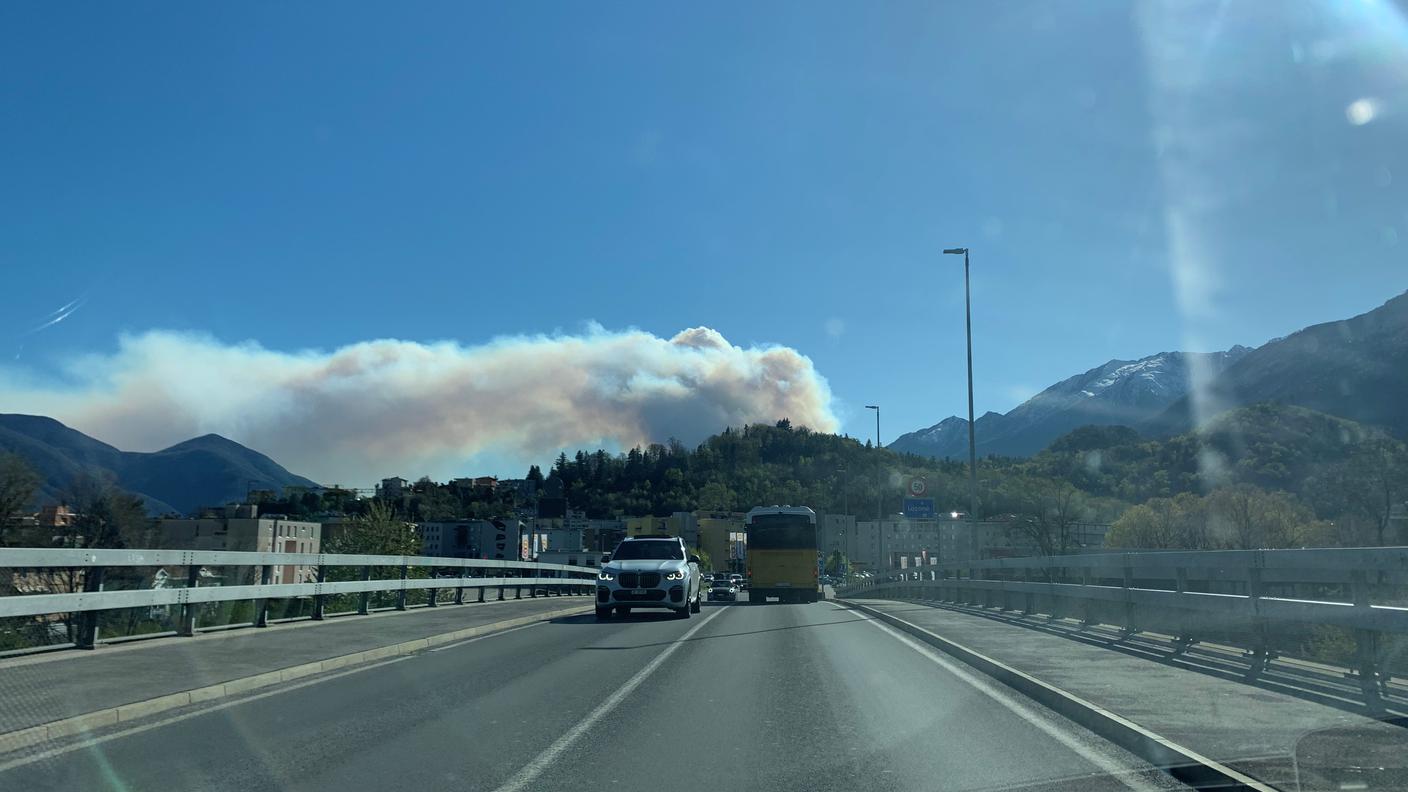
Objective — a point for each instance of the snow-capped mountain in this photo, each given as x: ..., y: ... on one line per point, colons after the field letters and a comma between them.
x: 1127, y: 392
x: 1355, y: 368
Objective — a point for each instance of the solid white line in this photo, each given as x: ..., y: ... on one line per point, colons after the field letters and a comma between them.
x: 1111, y: 767
x: 482, y: 637
x: 52, y: 752
x: 530, y: 772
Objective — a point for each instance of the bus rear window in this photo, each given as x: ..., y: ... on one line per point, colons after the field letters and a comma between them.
x: 780, y: 531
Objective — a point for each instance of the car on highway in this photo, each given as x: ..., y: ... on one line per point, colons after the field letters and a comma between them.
x: 723, y: 590
x: 654, y: 571
x: 737, y: 580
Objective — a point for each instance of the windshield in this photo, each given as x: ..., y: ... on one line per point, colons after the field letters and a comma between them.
x: 378, y: 382
x: 648, y: 551
x: 768, y: 532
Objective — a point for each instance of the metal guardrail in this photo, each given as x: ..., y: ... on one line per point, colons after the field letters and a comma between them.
x: 1248, y: 598
x: 561, y: 579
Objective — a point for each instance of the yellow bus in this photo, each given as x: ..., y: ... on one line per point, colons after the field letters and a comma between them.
x: 782, y: 554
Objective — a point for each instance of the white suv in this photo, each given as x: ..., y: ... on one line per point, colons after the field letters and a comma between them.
x: 649, y: 572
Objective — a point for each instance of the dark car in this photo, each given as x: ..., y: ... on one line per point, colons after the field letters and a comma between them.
x: 724, y: 590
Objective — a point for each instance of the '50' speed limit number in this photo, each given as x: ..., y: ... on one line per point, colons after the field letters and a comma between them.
x: 917, y: 487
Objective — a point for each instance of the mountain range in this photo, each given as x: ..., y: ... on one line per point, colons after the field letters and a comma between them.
x: 1354, y: 368
x: 204, y: 471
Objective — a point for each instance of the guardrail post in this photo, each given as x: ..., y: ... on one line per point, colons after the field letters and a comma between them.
x: 86, y: 622
x: 1028, y: 598
x: 1260, y: 653
x: 1366, y: 646
x: 1087, y: 615
x: 364, y: 601
x: 1127, y: 583
x: 1185, y: 635
x: 518, y: 589
x: 261, y: 605
x: 187, y: 627
x: 401, y: 593
x: 320, y: 600
x: 459, y: 590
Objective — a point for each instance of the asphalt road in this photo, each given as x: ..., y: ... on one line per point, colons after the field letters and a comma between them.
x: 776, y: 697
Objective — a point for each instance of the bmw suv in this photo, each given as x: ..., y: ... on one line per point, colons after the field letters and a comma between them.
x: 649, y: 572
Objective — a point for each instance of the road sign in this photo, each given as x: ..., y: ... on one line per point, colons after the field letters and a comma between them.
x: 917, y: 487
x: 919, y: 507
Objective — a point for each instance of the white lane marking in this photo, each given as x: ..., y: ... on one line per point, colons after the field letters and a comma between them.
x: 530, y: 772
x: 482, y: 637
x: 52, y: 752
x: 1022, y: 710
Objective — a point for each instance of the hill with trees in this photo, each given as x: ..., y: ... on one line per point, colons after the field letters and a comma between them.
x: 1328, y: 480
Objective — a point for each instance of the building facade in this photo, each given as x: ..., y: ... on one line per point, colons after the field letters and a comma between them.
x: 503, y: 539
x: 268, y: 534
x: 392, y: 488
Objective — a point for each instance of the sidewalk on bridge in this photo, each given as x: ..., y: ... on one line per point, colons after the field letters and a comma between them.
x: 1248, y: 728
x: 53, y: 687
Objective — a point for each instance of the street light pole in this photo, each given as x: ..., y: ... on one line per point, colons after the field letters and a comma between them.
x: 972, y: 442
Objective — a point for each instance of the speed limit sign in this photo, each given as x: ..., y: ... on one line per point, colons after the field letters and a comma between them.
x: 917, y: 487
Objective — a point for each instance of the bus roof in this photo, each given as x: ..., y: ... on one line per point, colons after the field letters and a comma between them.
x: 800, y: 511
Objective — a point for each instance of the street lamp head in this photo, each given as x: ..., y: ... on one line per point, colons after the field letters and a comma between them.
x: 956, y: 251
x: 872, y: 406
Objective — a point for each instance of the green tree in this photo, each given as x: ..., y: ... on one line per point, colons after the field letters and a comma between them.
x: 1045, y: 511
x: 436, y: 504
x: 1141, y: 527
x: 1246, y: 517
x: 716, y: 496
x: 1368, y: 484
x: 18, y: 485
x: 1180, y: 522
x: 705, y: 562
x: 836, y: 564
x: 377, y: 532
x: 106, y: 516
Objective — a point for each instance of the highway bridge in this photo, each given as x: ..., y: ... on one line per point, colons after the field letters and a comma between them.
x: 1132, y: 671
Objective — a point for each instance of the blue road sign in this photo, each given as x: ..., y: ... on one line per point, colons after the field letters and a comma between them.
x: 919, y: 507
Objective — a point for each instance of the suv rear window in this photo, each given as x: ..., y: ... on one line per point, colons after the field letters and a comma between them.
x: 648, y: 551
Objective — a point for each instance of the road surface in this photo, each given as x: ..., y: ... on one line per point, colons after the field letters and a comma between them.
x: 739, y: 697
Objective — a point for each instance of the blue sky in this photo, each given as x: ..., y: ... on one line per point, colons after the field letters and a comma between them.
x: 1131, y: 179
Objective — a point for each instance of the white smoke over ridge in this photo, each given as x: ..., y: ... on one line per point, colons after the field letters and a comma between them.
x: 387, y: 407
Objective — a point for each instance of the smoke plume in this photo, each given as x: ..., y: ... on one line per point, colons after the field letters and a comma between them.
x: 388, y: 407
